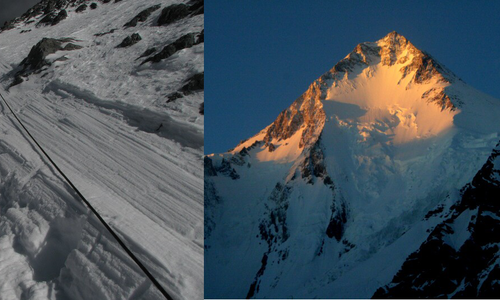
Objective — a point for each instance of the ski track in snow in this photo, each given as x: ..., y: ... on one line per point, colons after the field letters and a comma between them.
x: 97, y: 114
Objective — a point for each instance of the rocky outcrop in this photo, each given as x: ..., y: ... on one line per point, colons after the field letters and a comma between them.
x: 201, y: 37
x: 142, y: 16
x: 306, y: 112
x: 53, y: 18
x: 185, y: 41
x: 173, y: 13
x: 211, y: 200
x: 273, y: 230
x: 148, y: 52
x: 174, y: 96
x: 313, y: 168
x: 195, y: 83
x: 177, y: 12
x: 105, y: 33
x: 130, y: 40
x: 197, y: 7
x: 35, y: 60
x: 81, y: 8
x: 223, y: 168
x: 209, y: 167
x: 226, y: 169
x: 338, y: 219
x: 439, y: 97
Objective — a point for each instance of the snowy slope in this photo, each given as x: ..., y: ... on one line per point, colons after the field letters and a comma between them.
x: 460, y: 257
x: 330, y: 199
x: 105, y: 120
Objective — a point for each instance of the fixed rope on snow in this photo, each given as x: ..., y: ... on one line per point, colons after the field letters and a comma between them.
x: 94, y: 211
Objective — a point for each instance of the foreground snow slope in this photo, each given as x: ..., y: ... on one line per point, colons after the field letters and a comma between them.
x: 105, y: 120
x: 331, y: 198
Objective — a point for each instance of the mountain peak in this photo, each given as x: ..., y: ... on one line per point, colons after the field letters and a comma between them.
x: 360, y: 169
x: 394, y: 38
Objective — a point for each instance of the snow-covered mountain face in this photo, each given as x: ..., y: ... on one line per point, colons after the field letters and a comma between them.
x: 332, y: 197
x: 460, y: 257
x: 113, y: 90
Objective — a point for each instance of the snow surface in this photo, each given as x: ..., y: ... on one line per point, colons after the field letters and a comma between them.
x: 393, y: 155
x: 96, y: 114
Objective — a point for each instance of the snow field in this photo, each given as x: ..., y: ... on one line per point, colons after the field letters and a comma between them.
x: 97, y: 115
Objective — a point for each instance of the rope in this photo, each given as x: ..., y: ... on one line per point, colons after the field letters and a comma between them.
x: 113, y: 233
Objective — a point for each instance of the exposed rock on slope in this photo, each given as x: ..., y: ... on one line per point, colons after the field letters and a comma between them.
x: 185, y: 41
x: 142, y: 16
x: 130, y: 40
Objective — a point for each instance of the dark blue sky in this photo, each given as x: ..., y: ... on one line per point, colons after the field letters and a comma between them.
x: 261, y: 55
x: 9, y: 9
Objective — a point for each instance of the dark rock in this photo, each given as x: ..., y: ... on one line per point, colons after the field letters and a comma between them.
x: 106, y: 1
x: 81, y: 8
x: 130, y: 40
x: 209, y: 167
x: 336, y: 226
x: 227, y: 170
x: 314, y: 165
x: 148, y: 52
x: 255, y: 284
x: 36, y: 57
x: 197, y: 7
x: 186, y: 41
x: 62, y: 58
x: 53, y: 19
x: 60, y: 16
x: 173, y: 13
x: 201, y: 37
x: 202, y: 108
x: 47, y: 20
x: 104, y: 33
x: 174, y: 97
x: 8, y: 25
x: 71, y: 46
x: 271, y: 147
x: 142, y: 16
x: 17, y: 80
x: 93, y: 5
x: 196, y: 82
x: 116, y: 1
